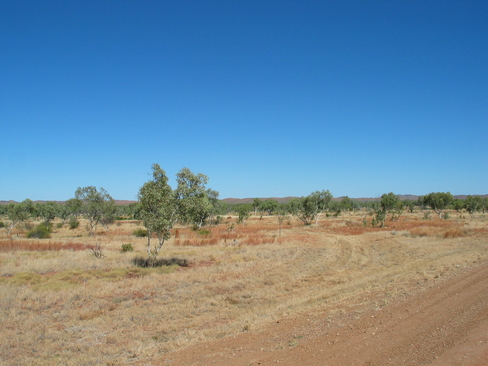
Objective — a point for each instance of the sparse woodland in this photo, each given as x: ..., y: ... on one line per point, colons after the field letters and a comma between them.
x: 89, y: 282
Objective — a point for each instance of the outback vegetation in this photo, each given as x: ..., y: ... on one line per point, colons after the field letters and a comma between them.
x: 91, y: 282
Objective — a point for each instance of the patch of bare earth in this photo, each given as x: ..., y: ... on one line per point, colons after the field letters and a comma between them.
x: 444, y: 324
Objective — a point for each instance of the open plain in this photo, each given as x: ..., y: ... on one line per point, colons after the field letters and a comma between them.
x: 337, y: 293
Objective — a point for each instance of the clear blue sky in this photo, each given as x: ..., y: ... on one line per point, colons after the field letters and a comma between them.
x: 267, y: 98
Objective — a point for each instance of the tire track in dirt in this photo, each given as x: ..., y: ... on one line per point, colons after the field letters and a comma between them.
x: 443, y: 325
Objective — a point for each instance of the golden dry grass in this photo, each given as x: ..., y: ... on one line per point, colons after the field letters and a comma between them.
x: 67, y: 307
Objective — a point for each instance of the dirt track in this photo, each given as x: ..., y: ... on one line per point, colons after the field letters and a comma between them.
x: 445, y: 324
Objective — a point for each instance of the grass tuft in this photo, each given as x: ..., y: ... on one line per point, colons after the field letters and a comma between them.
x: 145, y: 263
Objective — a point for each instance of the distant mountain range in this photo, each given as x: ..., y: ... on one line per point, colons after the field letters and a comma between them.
x: 282, y: 199
x: 361, y: 199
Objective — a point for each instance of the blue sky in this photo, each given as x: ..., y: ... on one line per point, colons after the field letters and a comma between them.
x: 267, y: 98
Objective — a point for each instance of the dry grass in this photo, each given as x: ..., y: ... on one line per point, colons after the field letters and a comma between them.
x: 39, y: 245
x: 68, y: 307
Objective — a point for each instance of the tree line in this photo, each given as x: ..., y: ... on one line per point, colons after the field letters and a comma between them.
x: 160, y: 207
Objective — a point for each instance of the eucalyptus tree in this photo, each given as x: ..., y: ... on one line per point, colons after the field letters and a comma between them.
x: 472, y: 204
x: 157, y: 210
x: 389, y: 203
x: 347, y: 204
x: 95, y: 205
x: 48, y: 211
x: 282, y: 215
x: 70, y: 209
x: 110, y: 211
x: 17, y: 213
x: 269, y: 206
x: 458, y: 204
x: 439, y: 201
x: 243, y: 212
x: 484, y: 204
x: 312, y: 206
x: 256, y: 205
x: 409, y: 204
x: 194, y: 200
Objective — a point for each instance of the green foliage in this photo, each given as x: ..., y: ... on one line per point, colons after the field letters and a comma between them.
x: 243, y: 212
x: 127, y: 247
x: 18, y: 212
x: 473, y: 204
x: 71, y: 208
x: 409, y: 205
x: 458, y: 204
x: 42, y: 231
x: 158, y: 210
x: 73, y: 223
x: 484, y: 204
x: 389, y: 203
x: 256, y: 205
x: 309, y: 208
x: 48, y: 210
x: 346, y: 204
x: 144, y: 262
x: 140, y: 233
x: 2, y: 224
x: 59, y: 225
x: 438, y: 201
x: 379, y: 218
x: 96, y: 206
x: 269, y: 206
x: 195, y: 203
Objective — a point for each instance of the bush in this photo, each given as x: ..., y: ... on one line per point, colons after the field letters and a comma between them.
x: 2, y: 224
x: 59, y: 225
x: 144, y: 262
x: 127, y: 247
x: 140, y: 233
x: 73, y: 223
x: 204, y: 232
x: 42, y: 231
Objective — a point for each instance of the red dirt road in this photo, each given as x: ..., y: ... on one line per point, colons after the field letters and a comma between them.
x: 443, y: 325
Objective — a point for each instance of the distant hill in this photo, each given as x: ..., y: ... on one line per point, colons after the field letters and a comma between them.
x: 118, y: 202
x: 361, y: 199
x: 233, y: 201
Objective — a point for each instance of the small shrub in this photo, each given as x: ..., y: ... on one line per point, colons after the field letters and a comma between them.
x: 96, y: 250
x: 140, y: 233
x: 446, y: 216
x: 42, y: 231
x: 28, y: 226
x: 127, y: 247
x: 2, y: 224
x: 73, y: 223
x: 426, y: 215
x: 59, y: 225
x: 144, y: 262
x: 204, y: 232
